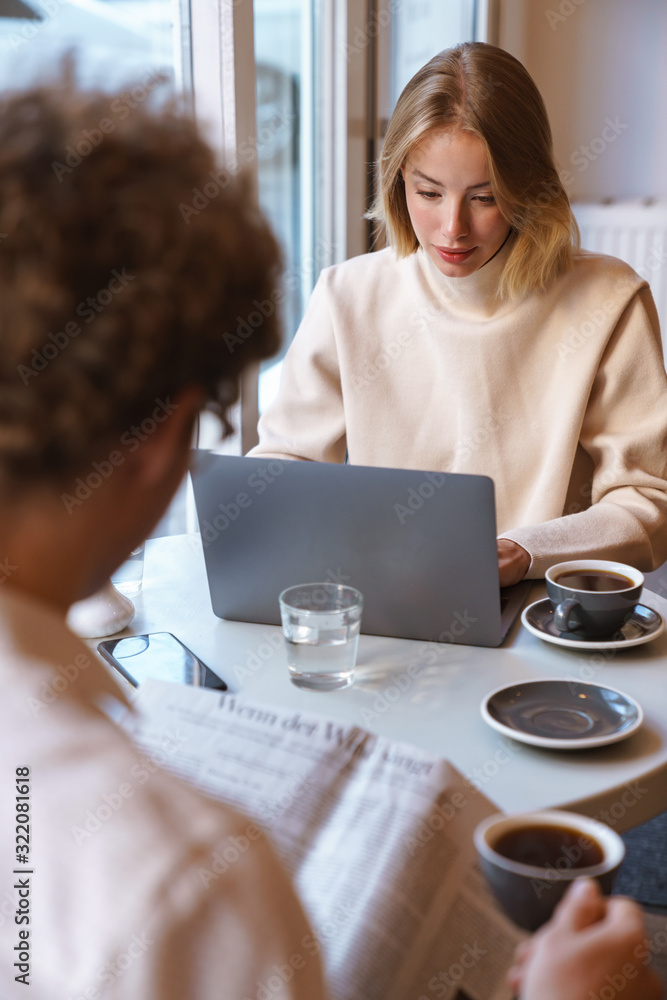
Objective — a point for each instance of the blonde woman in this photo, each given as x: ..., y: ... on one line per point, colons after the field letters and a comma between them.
x: 482, y: 340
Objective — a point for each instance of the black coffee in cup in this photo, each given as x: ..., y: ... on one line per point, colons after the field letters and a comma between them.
x: 549, y: 847
x: 530, y: 859
x: 593, y: 598
x: 594, y: 581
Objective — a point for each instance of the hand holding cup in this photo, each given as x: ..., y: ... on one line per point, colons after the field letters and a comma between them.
x: 530, y: 859
x: 593, y: 947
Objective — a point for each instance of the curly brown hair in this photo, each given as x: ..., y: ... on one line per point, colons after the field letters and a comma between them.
x: 127, y: 257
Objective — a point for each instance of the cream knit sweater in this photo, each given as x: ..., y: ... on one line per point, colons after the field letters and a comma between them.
x: 559, y: 397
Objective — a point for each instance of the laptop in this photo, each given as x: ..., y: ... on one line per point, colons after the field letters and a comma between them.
x: 420, y: 546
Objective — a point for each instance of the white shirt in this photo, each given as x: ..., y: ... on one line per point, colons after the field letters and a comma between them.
x: 137, y: 886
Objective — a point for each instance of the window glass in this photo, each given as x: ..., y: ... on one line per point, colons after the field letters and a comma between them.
x: 115, y: 42
x: 421, y: 29
x: 285, y: 46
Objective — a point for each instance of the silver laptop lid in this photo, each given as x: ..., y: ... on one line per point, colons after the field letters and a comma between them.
x: 420, y: 546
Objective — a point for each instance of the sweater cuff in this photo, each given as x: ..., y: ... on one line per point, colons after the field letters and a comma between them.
x: 511, y: 538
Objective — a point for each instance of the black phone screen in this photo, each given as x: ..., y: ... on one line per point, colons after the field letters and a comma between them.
x: 159, y: 656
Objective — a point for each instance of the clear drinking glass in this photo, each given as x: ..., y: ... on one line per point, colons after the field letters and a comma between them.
x: 321, y: 623
x: 128, y: 578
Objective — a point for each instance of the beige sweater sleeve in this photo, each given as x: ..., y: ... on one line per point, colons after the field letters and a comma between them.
x: 307, y: 421
x: 624, y: 433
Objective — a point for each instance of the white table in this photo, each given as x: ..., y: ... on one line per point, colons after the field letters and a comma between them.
x: 429, y: 694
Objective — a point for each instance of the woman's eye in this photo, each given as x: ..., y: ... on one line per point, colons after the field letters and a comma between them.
x: 429, y: 195
x: 485, y: 199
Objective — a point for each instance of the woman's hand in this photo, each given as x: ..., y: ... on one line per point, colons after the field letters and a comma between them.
x: 513, y: 562
x: 592, y: 946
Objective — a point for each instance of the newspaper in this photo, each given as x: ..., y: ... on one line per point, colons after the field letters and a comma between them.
x: 377, y: 836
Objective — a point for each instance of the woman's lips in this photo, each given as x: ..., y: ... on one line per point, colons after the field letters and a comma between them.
x: 454, y: 256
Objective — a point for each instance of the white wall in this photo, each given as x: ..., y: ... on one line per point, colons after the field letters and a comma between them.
x: 595, y: 62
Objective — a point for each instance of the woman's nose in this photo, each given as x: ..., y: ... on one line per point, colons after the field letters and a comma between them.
x: 454, y: 221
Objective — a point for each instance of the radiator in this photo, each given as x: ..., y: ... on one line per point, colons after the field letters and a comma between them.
x: 635, y: 231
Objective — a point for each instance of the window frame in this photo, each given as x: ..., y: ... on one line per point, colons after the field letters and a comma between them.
x: 223, y: 82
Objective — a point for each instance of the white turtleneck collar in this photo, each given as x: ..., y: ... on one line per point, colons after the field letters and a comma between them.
x: 474, y: 295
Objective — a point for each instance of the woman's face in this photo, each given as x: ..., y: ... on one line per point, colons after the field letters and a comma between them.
x: 451, y: 204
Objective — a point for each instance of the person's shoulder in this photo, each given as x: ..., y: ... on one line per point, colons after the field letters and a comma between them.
x: 377, y: 266
x: 162, y: 812
x: 591, y: 266
x: 124, y: 841
x: 113, y: 805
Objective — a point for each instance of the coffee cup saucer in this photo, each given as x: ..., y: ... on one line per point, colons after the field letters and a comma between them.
x: 643, y: 625
x: 558, y: 714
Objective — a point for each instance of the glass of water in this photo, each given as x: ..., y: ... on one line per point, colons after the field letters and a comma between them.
x: 321, y: 623
x: 128, y: 578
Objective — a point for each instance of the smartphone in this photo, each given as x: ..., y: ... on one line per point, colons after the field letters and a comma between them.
x: 159, y: 656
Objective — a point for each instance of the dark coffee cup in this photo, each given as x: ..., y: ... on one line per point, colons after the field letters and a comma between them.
x: 593, y: 597
x: 530, y: 859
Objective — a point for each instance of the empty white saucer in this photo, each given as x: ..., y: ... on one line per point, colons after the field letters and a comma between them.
x: 643, y: 625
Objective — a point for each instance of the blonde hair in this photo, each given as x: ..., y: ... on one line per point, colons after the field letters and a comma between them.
x: 482, y: 89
